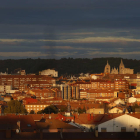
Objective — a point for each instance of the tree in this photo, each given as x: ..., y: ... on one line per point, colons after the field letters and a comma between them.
x: 80, y: 110
x: 134, y: 107
x: 129, y: 109
x: 32, y: 112
x: 84, y: 99
x: 105, y: 106
x: 15, y: 106
x: 50, y: 109
x: 84, y: 109
x: 40, y: 112
x: 63, y: 109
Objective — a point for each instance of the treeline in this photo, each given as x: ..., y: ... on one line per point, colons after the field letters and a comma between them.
x: 66, y: 66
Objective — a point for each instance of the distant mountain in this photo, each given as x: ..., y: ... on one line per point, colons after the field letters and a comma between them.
x: 67, y: 66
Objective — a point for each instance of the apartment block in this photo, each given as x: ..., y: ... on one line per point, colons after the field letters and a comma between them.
x: 69, y: 92
x: 35, y: 107
x: 121, y: 84
x: 46, y: 93
x: 93, y: 94
x: 22, y: 82
x: 83, y: 94
x: 66, y: 92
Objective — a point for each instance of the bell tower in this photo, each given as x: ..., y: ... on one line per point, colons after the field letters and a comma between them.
x: 121, y: 67
x: 107, y: 68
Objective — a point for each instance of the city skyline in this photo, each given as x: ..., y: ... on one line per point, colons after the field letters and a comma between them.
x: 77, y: 29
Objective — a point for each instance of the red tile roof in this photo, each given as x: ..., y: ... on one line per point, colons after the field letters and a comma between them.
x: 12, y: 119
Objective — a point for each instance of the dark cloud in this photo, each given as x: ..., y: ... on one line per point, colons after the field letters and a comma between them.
x: 56, y: 24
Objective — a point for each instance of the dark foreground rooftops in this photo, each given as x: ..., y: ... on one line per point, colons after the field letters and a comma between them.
x: 70, y: 136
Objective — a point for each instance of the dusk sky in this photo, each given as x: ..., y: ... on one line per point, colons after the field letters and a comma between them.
x: 69, y: 28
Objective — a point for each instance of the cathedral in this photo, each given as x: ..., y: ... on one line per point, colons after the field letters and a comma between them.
x: 121, y: 70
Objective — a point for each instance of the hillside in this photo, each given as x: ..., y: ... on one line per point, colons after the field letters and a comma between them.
x: 67, y: 65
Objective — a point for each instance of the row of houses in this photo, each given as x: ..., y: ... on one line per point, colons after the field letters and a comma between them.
x: 73, y: 123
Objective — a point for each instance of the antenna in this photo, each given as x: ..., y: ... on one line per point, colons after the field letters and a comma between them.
x: 7, y: 70
x: 68, y: 107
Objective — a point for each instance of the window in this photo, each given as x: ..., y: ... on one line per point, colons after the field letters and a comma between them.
x: 103, y: 130
x: 123, y: 129
x: 29, y: 125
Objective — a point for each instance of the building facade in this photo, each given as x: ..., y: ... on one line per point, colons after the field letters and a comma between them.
x: 122, y: 69
x: 120, y: 123
x: 49, y: 72
x: 22, y: 82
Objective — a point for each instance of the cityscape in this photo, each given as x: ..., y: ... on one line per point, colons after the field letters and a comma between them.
x: 69, y: 70
x: 89, y: 105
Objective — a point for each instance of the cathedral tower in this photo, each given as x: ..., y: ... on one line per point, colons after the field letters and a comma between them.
x: 107, y: 68
x: 121, y: 67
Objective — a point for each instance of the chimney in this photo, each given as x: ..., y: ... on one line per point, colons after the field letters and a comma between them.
x: 8, y: 133
x: 18, y: 124
x: 50, y: 117
x: 60, y: 130
x: 41, y: 134
x: 135, y: 132
x: 96, y: 132
x: 42, y: 117
x: 34, y: 130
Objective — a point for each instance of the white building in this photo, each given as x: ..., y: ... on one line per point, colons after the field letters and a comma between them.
x: 116, y: 110
x: 49, y: 72
x: 132, y: 100
x: 95, y: 111
x: 119, y: 101
x: 122, y: 123
x: 5, y: 88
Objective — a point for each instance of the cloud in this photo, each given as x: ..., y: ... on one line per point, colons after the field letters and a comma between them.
x: 8, y: 43
x: 83, y: 40
x: 119, y: 49
x: 96, y: 39
x: 64, y: 28
x: 80, y: 33
x: 113, y: 53
x: 67, y: 48
x: 63, y: 54
x: 56, y: 47
x: 23, y: 54
x: 35, y: 54
x: 16, y: 40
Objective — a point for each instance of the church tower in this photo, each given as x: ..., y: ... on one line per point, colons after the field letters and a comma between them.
x: 121, y: 67
x: 107, y: 68
x: 114, y: 71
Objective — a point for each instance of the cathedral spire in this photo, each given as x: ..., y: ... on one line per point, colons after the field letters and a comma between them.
x: 107, y: 62
x: 121, y: 61
x: 107, y: 68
